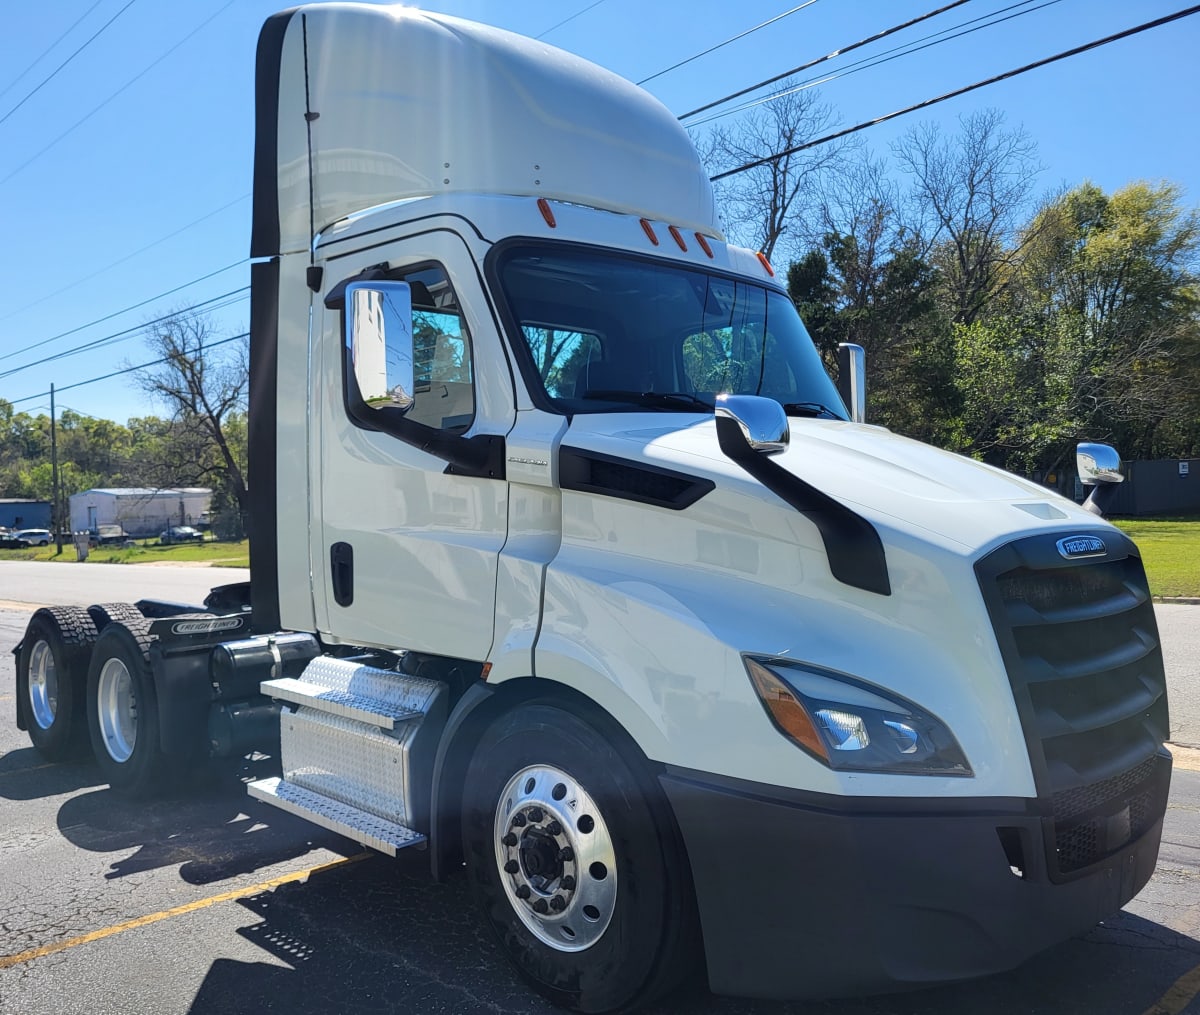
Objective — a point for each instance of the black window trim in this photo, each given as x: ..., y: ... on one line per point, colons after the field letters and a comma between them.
x: 481, y: 455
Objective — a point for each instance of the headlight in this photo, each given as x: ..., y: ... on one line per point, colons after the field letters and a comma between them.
x: 851, y: 725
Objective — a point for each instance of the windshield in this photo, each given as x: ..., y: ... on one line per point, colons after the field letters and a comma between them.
x: 608, y: 333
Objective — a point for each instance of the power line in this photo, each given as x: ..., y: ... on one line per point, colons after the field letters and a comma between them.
x: 1095, y: 44
x: 571, y: 18
x: 124, y: 310
x: 54, y: 73
x: 130, y: 332
x: 128, y: 257
x: 49, y: 49
x: 821, y: 59
x: 119, y: 373
x: 721, y: 45
x: 887, y: 56
x: 137, y: 77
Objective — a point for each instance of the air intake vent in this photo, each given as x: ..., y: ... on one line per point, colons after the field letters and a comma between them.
x: 593, y: 472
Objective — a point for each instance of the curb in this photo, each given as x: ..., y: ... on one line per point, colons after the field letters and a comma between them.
x: 1177, y: 600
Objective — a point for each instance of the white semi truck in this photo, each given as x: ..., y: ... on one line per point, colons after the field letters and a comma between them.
x: 571, y: 565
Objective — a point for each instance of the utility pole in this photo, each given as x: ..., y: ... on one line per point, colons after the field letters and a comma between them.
x: 55, y: 511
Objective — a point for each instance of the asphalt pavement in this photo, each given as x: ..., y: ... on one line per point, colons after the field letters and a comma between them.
x: 211, y: 902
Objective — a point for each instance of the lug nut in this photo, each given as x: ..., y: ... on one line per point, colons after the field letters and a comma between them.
x: 522, y: 891
x: 511, y: 867
x: 536, y: 814
x: 519, y: 821
x: 541, y: 907
x: 509, y: 839
x: 566, y: 853
x: 568, y: 883
x: 558, y: 904
x: 554, y: 828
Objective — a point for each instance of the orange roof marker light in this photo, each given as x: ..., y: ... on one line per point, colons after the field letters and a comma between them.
x: 648, y: 229
x: 704, y: 244
x: 762, y: 259
x: 547, y: 212
x: 677, y: 238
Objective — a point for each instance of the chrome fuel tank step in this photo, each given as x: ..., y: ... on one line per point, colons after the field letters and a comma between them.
x: 369, y: 829
x: 356, y: 750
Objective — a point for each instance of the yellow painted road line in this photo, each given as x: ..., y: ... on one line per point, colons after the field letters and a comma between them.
x: 10, y: 604
x: 7, y: 961
x: 1182, y: 993
x: 31, y: 768
x: 1185, y: 758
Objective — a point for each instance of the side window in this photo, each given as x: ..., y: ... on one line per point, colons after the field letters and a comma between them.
x: 563, y: 357
x: 443, y: 374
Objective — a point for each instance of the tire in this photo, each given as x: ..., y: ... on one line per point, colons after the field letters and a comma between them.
x: 107, y: 613
x: 51, y: 677
x: 576, y: 863
x: 122, y: 710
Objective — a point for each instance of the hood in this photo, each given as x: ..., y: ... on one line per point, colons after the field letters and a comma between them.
x: 893, y: 481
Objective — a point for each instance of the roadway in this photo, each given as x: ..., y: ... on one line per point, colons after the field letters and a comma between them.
x: 213, y: 902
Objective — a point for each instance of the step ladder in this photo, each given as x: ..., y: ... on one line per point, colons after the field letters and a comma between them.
x: 356, y: 746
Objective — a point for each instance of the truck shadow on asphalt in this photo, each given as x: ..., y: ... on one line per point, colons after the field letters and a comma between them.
x: 26, y: 775
x: 378, y: 936
x: 212, y: 833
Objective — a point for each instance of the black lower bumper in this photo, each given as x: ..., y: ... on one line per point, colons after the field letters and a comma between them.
x: 806, y: 896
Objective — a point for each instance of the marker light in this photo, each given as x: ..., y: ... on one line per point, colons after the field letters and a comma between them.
x: 648, y: 229
x: 785, y: 709
x: 762, y: 259
x: 675, y: 235
x: 547, y: 212
x: 704, y: 244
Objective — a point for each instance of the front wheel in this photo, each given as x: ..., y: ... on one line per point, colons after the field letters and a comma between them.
x: 576, y: 863
x: 122, y: 709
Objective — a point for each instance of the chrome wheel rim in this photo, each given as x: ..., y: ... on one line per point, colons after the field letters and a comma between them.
x: 43, y: 685
x: 117, y: 709
x: 555, y: 858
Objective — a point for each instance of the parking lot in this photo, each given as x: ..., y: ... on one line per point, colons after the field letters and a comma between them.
x: 212, y: 902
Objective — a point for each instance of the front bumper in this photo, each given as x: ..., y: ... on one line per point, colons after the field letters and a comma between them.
x: 808, y: 896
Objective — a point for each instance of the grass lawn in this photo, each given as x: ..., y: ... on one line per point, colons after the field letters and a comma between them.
x: 147, y: 552
x: 1170, y: 550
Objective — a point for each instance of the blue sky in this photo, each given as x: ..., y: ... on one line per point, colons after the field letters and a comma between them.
x: 152, y: 189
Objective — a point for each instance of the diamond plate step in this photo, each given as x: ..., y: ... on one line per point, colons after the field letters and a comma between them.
x: 378, y: 833
x: 338, y: 702
x: 351, y: 689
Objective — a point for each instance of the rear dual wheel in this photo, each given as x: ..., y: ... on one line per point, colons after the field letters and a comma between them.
x: 576, y: 863
x: 122, y: 709
x: 51, y: 671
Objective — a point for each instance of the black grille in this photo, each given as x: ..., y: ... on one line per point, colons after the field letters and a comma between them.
x: 1080, y: 644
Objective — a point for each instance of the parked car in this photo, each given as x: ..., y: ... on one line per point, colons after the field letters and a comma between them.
x: 33, y: 537
x: 109, y: 535
x: 180, y: 534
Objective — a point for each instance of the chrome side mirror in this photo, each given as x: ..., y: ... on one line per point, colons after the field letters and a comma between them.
x: 379, y: 341
x: 852, y: 379
x: 762, y: 421
x: 1098, y: 463
x: 1100, y: 468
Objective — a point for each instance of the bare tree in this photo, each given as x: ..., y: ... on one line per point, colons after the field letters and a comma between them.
x: 203, y: 388
x: 761, y: 204
x: 969, y: 196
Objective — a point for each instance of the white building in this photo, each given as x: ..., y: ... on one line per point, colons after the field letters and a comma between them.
x: 141, y: 512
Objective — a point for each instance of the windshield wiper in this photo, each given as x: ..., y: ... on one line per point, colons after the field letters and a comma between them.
x: 651, y: 399
x: 809, y: 409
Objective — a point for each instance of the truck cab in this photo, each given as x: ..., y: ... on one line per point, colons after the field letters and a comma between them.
x: 571, y: 565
